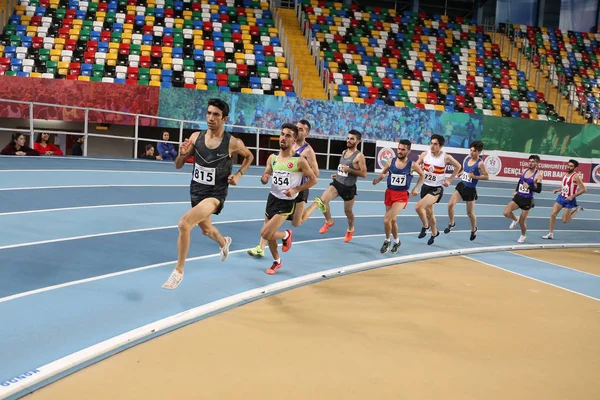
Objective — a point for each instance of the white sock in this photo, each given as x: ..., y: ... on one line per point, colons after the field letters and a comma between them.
x: 387, y: 238
x: 278, y: 260
x: 287, y: 235
x: 397, y: 240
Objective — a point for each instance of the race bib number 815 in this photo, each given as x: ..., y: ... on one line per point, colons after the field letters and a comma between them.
x: 465, y: 177
x: 203, y: 175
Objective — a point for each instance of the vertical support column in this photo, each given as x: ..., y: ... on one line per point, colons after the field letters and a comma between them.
x: 31, y: 132
x: 415, y: 6
x: 85, y: 132
x: 328, y: 152
x: 137, y: 132
x: 257, y: 158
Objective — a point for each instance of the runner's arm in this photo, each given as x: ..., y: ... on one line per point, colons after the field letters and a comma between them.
x: 311, y: 157
x: 361, y: 166
x: 457, y: 167
x: 537, y: 183
x: 308, y: 172
x: 417, y: 168
x: 580, y: 186
x: 186, y: 150
x: 381, y: 175
x: 484, y: 173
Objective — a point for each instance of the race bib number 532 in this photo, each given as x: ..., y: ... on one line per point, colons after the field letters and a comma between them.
x: 203, y: 175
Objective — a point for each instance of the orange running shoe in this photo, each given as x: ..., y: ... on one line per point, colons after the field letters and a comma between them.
x: 325, y: 227
x: 287, y: 243
x: 273, y: 268
x: 348, y: 236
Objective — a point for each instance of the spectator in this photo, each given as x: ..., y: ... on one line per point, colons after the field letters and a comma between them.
x: 44, y: 147
x: 149, y: 154
x: 77, y: 149
x: 166, y: 150
x: 16, y: 147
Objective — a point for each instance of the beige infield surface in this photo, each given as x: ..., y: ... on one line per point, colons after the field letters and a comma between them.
x: 450, y: 328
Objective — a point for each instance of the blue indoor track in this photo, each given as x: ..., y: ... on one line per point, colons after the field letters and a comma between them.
x: 85, y: 245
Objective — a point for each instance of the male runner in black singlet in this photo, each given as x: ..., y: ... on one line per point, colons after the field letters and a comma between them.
x: 211, y: 178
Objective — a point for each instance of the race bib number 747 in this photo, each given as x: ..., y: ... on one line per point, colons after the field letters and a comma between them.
x: 398, y: 180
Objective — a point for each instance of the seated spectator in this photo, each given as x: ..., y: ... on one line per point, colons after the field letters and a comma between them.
x: 149, y: 154
x: 16, y: 147
x: 166, y: 150
x: 44, y: 147
x: 77, y: 149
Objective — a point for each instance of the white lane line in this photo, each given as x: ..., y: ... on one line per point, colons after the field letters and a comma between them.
x: 130, y: 271
x: 529, y: 277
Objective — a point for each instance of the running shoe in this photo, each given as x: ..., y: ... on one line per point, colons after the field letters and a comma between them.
x: 432, y: 239
x: 473, y: 235
x: 385, y: 247
x: 225, y: 249
x: 174, y: 280
x: 287, y: 243
x: 521, y: 239
x: 423, y: 233
x: 320, y: 205
x: 395, y: 247
x: 348, y: 236
x: 576, y: 210
x: 449, y: 228
x: 273, y: 268
x: 256, y: 252
x: 549, y: 236
x: 513, y: 224
x: 325, y: 227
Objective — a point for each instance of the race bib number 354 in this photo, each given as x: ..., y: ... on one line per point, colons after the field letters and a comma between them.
x: 281, y: 179
x: 203, y: 175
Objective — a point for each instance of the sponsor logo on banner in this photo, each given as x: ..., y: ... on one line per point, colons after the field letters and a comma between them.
x: 493, y: 165
x: 596, y: 174
x: 385, y: 155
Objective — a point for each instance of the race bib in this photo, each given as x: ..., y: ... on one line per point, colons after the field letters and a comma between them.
x: 565, y: 191
x: 341, y: 172
x: 465, y: 177
x: 523, y: 189
x: 203, y: 175
x: 281, y: 179
x: 398, y: 180
x: 430, y: 177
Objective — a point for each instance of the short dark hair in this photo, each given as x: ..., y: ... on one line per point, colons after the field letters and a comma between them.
x: 149, y: 146
x: 221, y: 105
x: 477, y: 145
x: 534, y: 157
x: 406, y: 142
x: 575, y: 163
x: 355, y: 133
x: 439, y: 138
x: 305, y: 122
x: 291, y: 127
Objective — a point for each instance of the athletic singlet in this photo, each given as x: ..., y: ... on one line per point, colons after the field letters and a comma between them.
x: 344, y: 177
x: 522, y: 191
x: 399, y: 179
x: 435, y: 169
x: 569, y: 186
x: 212, y: 168
x: 299, y: 151
x: 468, y: 181
x: 286, y: 175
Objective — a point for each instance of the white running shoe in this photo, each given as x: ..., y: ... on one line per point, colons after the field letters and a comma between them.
x: 174, y: 280
x: 225, y: 249
x: 521, y: 239
x: 513, y: 224
x: 576, y: 211
x: 548, y: 236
